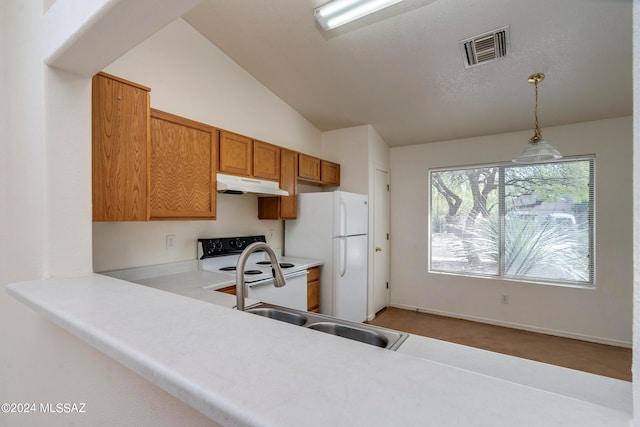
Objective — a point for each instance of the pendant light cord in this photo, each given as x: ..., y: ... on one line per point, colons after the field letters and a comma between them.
x: 537, y: 135
x: 537, y: 150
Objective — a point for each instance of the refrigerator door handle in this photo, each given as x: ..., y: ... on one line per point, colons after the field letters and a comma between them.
x: 343, y: 217
x: 343, y: 256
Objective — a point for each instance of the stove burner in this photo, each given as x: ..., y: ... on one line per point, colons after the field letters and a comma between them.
x: 282, y: 264
x: 233, y: 268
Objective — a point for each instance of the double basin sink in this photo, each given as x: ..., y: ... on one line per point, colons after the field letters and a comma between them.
x: 368, y: 334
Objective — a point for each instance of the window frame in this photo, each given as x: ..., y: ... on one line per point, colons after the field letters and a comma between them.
x: 590, y: 284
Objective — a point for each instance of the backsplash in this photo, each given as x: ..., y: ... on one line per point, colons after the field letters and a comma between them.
x: 118, y: 245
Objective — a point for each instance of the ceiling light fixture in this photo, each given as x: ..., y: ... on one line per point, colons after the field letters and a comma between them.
x: 537, y: 149
x: 340, y: 12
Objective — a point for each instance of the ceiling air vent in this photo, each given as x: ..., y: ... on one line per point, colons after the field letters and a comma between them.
x: 487, y: 47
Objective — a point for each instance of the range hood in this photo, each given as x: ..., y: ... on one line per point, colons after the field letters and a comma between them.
x: 240, y: 185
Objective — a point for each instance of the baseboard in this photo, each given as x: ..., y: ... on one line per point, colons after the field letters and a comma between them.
x: 529, y: 328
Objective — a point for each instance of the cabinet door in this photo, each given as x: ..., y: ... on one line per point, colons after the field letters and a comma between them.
x: 120, y: 138
x: 236, y: 154
x: 269, y: 207
x: 228, y: 290
x: 308, y: 167
x: 283, y: 207
x: 329, y: 173
x: 266, y: 161
x: 313, y: 289
x: 289, y: 182
x: 183, y: 166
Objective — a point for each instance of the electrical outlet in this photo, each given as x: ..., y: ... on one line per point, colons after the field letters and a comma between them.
x: 170, y: 241
x: 504, y: 299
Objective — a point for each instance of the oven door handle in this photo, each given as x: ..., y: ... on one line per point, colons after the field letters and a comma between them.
x: 270, y: 281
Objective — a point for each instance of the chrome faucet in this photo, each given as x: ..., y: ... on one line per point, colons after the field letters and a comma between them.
x: 278, y: 277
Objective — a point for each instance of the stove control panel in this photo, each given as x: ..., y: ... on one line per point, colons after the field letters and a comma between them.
x: 208, y: 248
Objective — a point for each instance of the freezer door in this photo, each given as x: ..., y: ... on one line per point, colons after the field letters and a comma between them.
x: 351, y: 214
x: 350, y: 278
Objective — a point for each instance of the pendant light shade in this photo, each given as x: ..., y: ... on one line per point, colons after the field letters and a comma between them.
x: 537, y: 149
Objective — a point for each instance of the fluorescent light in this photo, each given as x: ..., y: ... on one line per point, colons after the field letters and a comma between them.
x: 340, y: 12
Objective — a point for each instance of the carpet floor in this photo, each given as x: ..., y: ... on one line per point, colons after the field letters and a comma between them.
x: 606, y: 360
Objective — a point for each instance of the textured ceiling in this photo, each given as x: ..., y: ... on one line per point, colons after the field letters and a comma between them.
x: 401, y: 70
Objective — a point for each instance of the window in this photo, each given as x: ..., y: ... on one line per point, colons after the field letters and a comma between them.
x: 522, y: 222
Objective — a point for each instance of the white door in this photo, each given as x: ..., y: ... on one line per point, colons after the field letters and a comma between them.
x: 380, y: 297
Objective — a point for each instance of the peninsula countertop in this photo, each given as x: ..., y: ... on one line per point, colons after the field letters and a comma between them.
x: 242, y: 369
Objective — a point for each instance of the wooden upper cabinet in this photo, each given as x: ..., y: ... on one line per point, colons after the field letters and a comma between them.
x: 317, y: 170
x: 329, y: 173
x: 236, y: 154
x: 183, y: 167
x: 119, y: 157
x: 148, y: 164
x: 266, y: 161
x: 283, y: 207
x: 308, y: 167
x: 289, y: 182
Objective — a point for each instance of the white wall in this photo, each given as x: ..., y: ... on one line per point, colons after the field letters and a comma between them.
x: 378, y: 152
x: 4, y: 113
x: 192, y: 78
x: 603, y: 314
x: 350, y: 148
x: 45, y: 230
x: 357, y: 149
x: 636, y: 209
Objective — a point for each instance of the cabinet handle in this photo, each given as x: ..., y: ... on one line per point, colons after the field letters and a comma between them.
x: 378, y: 249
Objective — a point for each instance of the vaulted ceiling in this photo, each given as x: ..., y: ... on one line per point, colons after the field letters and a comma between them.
x: 401, y: 70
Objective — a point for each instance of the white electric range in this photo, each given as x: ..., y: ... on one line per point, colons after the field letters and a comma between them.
x: 220, y: 255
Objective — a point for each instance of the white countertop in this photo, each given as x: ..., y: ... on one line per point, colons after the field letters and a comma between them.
x: 604, y: 391
x: 185, y: 274
x: 241, y: 369
x: 185, y: 279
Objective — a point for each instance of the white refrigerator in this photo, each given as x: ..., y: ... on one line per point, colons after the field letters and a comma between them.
x: 332, y: 227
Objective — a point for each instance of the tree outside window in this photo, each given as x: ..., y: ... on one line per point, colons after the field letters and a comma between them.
x: 523, y: 222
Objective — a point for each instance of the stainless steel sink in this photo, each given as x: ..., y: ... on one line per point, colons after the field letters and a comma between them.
x: 283, y: 316
x: 362, y: 332
x: 357, y: 334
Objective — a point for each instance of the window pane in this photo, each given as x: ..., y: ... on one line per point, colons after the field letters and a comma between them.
x: 464, y: 221
x: 532, y: 222
x: 548, y: 211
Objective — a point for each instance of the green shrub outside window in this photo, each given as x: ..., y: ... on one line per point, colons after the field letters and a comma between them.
x: 530, y: 222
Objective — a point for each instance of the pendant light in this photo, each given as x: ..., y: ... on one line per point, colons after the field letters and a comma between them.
x: 537, y: 149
